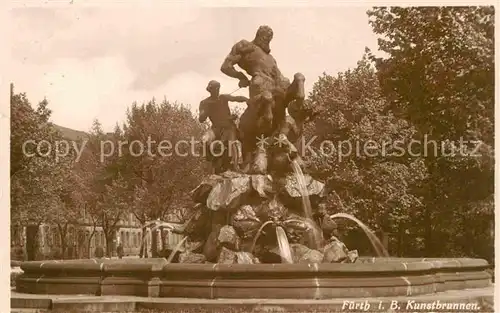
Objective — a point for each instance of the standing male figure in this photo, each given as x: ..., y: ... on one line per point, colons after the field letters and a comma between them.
x: 270, y: 91
x: 216, y: 108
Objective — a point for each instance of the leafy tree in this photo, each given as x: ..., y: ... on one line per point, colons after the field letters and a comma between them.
x: 89, y: 168
x: 439, y: 75
x: 71, y: 199
x: 107, y: 196
x: 37, y: 173
x: 113, y: 208
x: 359, y: 150
x: 161, y: 175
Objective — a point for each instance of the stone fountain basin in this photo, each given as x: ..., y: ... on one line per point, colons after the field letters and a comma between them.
x: 368, y: 277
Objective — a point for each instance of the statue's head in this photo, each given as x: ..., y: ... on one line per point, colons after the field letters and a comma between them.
x: 263, y: 38
x: 213, y: 87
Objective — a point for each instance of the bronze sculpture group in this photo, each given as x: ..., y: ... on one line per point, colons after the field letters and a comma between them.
x: 240, y: 211
x: 265, y: 116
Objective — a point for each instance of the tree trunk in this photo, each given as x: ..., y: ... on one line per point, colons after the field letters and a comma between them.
x: 64, y: 247
x: 142, y: 250
x: 429, y: 247
x: 385, y: 240
x: 400, y: 240
x: 89, y: 253
x: 80, y: 237
x: 109, y: 245
x: 154, y: 244
x: 431, y: 203
x: 32, y: 242
x: 163, y: 236
x: 63, y: 231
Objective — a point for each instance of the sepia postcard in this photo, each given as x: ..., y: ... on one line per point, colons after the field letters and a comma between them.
x: 237, y: 157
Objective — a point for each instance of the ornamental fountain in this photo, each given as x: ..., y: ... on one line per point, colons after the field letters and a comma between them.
x: 261, y: 231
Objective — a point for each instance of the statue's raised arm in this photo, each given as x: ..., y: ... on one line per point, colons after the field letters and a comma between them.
x: 231, y: 98
x: 234, y: 57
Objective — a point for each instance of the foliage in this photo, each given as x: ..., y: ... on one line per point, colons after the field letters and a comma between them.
x: 356, y: 147
x: 106, y: 192
x: 439, y: 75
x: 40, y: 178
x: 37, y: 175
x: 440, y: 69
x: 168, y: 168
x: 435, y: 84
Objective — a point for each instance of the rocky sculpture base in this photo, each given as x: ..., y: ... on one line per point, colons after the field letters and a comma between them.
x: 236, y: 217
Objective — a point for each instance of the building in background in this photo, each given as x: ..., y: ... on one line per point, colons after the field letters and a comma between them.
x: 83, y: 238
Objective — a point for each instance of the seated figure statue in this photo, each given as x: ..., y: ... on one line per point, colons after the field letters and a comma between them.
x: 288, y: 138
x: 292, y: 127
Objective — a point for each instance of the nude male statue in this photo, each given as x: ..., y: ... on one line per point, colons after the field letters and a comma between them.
x: 270, y: 91
x: 216, y: 108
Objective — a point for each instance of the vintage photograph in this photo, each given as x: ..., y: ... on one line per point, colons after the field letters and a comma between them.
x: 251, y: 159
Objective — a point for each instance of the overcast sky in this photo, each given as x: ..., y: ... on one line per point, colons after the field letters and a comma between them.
x: 94, y: 62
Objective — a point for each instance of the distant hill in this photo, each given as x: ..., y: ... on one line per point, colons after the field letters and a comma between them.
x: 71, y: 134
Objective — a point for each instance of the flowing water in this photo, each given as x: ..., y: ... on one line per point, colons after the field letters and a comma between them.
x: 317, y: 234
x: 158, y: 224
x: 377, y: 245
x: 258, y: 234
x: 284, y: 246
x: 154, y: 225
x: 168, y: 227
x: 177, y: 247
x: 318, y: 238
x: 244, y: 258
